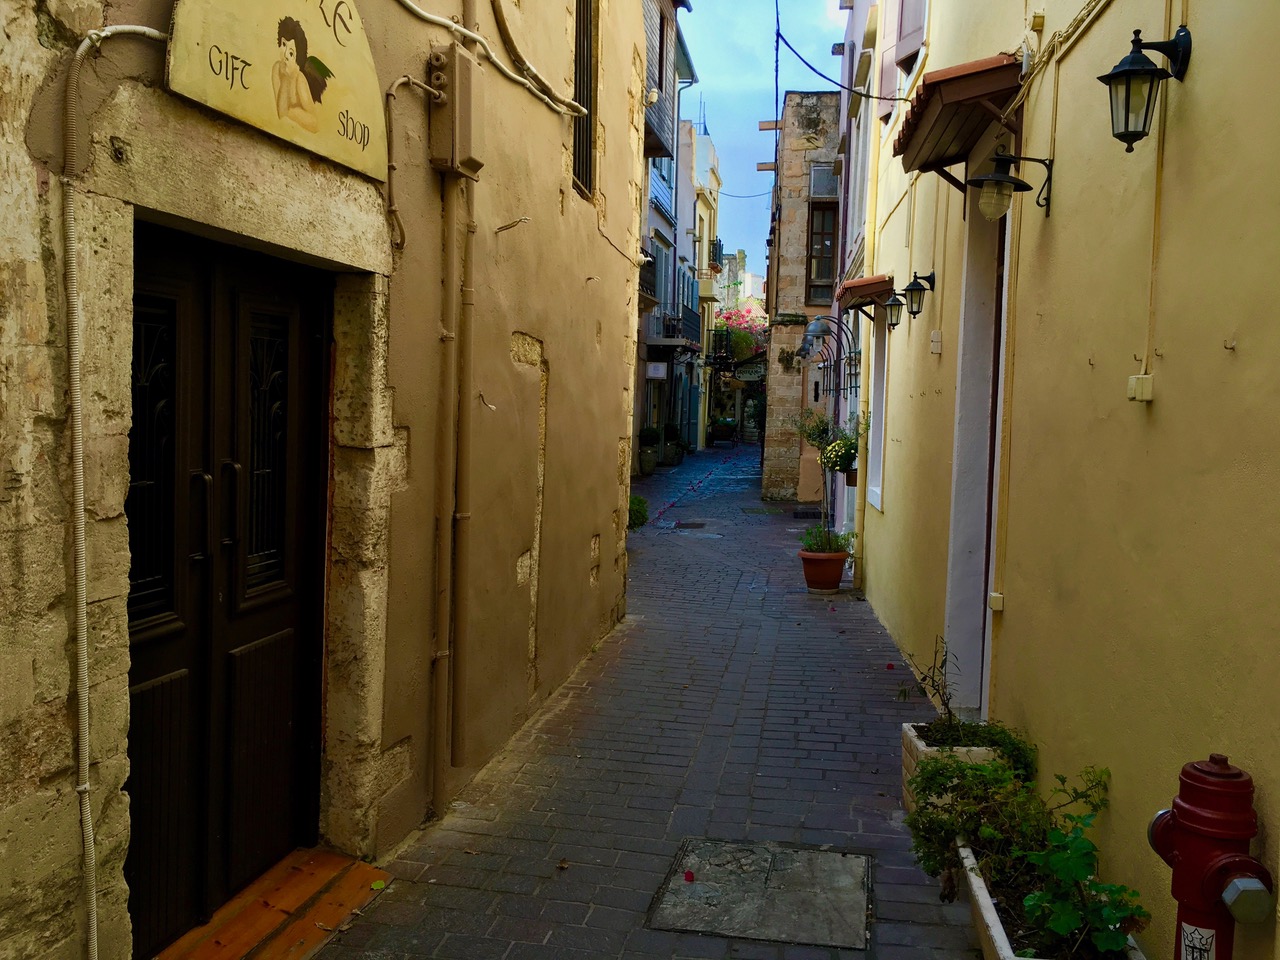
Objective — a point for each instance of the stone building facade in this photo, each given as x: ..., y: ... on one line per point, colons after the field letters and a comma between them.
x: 801, y: 277
x: 336, y: 517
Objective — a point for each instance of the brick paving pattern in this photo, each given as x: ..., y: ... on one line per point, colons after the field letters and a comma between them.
x: 730, y: 704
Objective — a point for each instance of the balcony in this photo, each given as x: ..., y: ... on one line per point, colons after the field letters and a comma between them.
x: 715, y: 260
x: 648, y: 280
x: 665, y: 329
x: 707, y: 286
x: 691, y: 322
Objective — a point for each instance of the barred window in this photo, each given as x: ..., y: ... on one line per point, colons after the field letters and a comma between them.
x: 584, y: 92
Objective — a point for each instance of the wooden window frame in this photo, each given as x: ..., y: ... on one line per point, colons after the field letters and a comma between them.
x: 817, y: 207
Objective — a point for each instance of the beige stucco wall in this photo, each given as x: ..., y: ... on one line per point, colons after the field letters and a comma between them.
x: 1134, y: 541
x: 549, y: 524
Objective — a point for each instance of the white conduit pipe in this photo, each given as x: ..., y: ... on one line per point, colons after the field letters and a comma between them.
x: 572, y: 109
x: 75, y: 324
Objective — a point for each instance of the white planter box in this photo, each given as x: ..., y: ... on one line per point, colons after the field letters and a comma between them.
x: 995, y: 945
x: 913, y: 748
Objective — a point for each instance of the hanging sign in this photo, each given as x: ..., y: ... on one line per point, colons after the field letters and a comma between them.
x: 655, y: 370
x: 749, y: 372
x: 299, y: 69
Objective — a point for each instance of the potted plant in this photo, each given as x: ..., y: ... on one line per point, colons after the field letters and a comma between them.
x: 649, y: 437
x: 1031, y: 871
x: 971, y: 740
x: 823, y: 555
x: 672, y: 446
x: 823, y: 551
x: 841, y: 455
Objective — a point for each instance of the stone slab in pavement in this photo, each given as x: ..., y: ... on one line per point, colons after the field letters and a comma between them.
x: 730, y: 704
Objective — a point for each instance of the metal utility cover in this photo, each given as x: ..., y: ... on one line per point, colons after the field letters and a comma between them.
x: 784, y: 893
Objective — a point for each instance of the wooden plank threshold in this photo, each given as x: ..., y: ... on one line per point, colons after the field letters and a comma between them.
x: 286, y: 914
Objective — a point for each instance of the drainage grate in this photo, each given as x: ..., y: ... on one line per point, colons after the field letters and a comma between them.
x: 777, y: 892
x: 689, y: 524
x: 808, y: 513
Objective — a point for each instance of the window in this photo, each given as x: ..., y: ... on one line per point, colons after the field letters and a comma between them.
x: 584, y: 92
x: 822, y: 182
x: 822, y: 242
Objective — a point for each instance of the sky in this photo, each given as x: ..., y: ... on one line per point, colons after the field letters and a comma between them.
x: 731, y: 45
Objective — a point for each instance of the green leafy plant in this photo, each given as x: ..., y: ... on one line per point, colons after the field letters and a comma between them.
x: 813, y: 425
x: 671, y: 432
x: 949, y: 730
x: 818, y: 539
x: 649, y: 436
x: 637, y: 512
x: 1072, y: 901
x: 1032, y: 852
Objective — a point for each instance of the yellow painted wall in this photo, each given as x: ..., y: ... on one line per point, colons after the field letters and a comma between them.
x: 1139, y: 623
x: 1136, y: 542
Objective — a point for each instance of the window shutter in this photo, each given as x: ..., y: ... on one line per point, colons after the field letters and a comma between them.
x: 910, y: 30
x: 888, y: 83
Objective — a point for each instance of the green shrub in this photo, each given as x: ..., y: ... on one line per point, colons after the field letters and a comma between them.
x: 637, y: 513
x: 818, y: 539
x: 649, y: 436
x: 1032, y: 851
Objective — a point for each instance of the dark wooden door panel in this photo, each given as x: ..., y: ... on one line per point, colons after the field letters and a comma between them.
x: 228, y: 461
x: 262, y: 790
x: 165, y: 892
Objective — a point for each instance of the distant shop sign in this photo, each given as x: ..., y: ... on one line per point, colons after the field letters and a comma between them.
x: 655, y: 370
x: 749, y: 372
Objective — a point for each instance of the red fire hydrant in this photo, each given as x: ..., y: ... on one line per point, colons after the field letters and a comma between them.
x: 1205, y: 838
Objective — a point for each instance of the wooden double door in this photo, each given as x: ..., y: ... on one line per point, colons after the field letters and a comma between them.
x: 227, y: 508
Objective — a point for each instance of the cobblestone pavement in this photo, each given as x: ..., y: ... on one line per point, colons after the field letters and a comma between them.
x: 729, y: 704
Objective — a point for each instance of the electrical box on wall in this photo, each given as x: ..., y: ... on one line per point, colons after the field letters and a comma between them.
x: 1141, y: 388
x: 455, y: 140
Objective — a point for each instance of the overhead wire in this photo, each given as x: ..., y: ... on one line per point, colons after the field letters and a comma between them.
x: 744, y: 196
x: 856, y: 93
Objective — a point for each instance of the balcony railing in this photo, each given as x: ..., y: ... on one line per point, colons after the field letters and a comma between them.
x: 691, y: 323
x: 648, y: 275
x: 716, y: 257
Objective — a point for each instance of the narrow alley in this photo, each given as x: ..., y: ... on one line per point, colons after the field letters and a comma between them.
x: 730, y: 704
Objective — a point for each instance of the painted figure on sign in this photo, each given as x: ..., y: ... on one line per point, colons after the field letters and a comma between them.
x: 298, y: 80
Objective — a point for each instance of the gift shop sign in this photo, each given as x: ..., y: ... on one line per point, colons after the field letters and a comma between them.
x: 299, y: 69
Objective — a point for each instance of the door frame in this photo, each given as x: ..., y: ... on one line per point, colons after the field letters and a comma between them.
x: 976, y: 456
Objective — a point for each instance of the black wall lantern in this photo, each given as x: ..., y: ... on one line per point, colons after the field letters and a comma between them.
x: 915, y: 290
x: 893, y: 311
x: 999, y: 186
x: 1134, y: 84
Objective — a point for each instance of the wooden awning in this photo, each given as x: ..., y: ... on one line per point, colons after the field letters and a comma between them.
x: 865, y: 290
x: 952, y: 108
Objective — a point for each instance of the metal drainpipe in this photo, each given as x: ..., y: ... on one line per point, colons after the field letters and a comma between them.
x: 75, y: 413
x: 446, y: 460
x: 461, y: 558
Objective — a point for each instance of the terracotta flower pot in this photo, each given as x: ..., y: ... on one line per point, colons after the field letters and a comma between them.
x: 851, y: 477
x: 823, y: 571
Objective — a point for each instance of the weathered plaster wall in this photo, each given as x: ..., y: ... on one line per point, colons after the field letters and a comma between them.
x: 565, y: 279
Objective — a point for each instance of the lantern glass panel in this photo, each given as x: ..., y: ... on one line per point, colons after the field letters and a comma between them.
x: 995, y: 199
x: 915, y: 298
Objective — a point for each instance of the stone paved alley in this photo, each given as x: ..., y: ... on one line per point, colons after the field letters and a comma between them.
x: 729, y: 704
